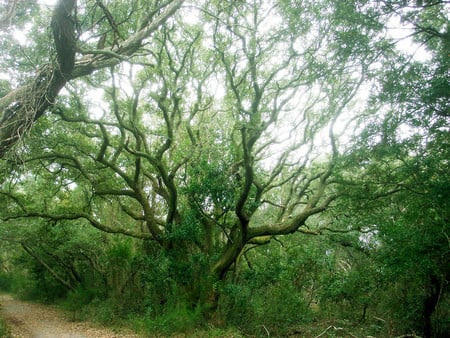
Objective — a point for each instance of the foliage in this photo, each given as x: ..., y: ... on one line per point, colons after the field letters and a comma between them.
x: 266, y: 166
x: 178, y: 319
x: 149, y: 167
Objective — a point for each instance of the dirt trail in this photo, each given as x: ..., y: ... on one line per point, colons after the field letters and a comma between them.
x: 27, y: 320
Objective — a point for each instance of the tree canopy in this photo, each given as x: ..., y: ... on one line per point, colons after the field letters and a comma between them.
x: 185, y: 136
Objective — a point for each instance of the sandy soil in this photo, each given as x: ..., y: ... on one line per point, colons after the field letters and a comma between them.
x: 27, y: 320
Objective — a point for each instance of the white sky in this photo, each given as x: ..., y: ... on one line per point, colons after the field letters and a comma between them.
x: 400, y: 32
x: 46, y: 2
x: 397, y: 30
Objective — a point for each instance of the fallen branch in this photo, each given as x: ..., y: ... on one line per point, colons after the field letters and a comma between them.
x: 334, y: 328
x: 267, y: 331
x: 328, y: 328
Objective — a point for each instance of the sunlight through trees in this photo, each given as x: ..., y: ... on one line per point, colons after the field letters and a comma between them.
x: 273, y: 163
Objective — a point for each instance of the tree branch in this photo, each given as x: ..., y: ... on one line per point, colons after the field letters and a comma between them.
x: 5, y: 20
x: 86, y: 216
x: 23, y: 106
x: 33, y: 254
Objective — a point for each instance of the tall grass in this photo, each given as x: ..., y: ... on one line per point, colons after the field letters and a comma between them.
x: 4, y: 330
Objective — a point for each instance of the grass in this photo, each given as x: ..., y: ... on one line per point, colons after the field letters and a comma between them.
x: 4, y: 330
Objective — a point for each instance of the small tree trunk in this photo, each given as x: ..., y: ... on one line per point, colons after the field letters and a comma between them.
x: 57, y: 277
x: 433, y: 289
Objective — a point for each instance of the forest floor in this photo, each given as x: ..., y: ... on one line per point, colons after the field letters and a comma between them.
x: 29, y: 320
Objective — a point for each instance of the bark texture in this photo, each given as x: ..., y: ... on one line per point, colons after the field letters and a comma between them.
x: 21, y: 107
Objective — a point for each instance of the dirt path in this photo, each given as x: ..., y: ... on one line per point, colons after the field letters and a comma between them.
x: 27, y: 320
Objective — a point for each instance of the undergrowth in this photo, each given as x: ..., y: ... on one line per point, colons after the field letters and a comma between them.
x: 4, y: 330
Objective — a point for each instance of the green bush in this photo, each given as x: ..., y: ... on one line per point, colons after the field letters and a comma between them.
x: 235, y: 306
x: 178, y: 319
x: 282, y: 307
x: 36, y: 284
x: 274, y: 308
x: 77, y: 300
x: 5, y: 281
x: 105, y: 312
x: 23, y: 286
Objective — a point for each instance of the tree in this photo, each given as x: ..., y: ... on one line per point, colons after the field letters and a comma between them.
x: 398, y: 196
x: 6, y: 16
x: 398, y: 172
x: 211, y: 140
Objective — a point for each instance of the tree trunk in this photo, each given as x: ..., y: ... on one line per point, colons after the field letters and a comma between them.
x: 20, y: 108
x: 433, y: 289
x: 55, y: 275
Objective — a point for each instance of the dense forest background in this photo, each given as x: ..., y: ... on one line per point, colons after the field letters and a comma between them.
x: 254, y: 168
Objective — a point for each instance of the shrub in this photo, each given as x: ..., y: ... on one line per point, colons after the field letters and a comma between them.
x: 175, y: 319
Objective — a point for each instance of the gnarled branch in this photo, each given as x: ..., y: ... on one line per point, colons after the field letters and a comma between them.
x: 23, y: 106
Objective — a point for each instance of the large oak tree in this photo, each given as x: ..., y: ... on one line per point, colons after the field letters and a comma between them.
x: 217, y: 134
